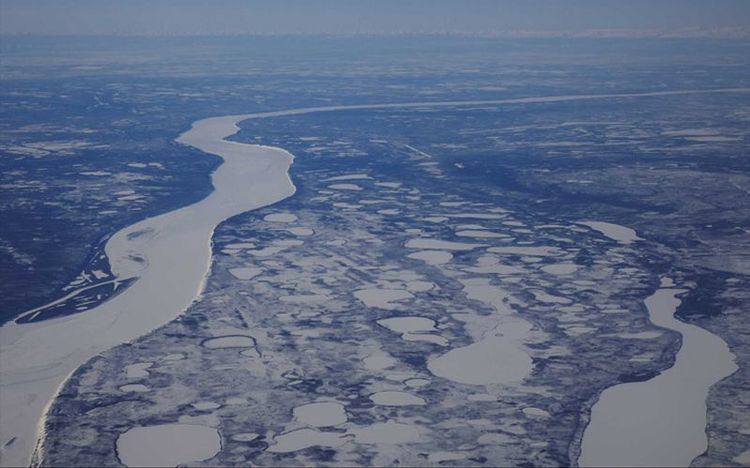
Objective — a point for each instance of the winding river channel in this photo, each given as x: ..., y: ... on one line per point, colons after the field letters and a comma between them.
x: 170, y: 255
x: 662, y: 421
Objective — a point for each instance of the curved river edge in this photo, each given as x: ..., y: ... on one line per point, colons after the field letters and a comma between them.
x: 660, y: 421
x: 170, y: 254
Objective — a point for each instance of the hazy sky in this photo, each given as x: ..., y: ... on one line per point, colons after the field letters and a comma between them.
x: 364, y: 16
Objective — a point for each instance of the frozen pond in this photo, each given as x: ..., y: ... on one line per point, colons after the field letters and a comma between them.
x: 492, y: 360
x: 321, y: 414
x: 304, y: 438
x: 167, y: 445
x: 432, y: 257
x: 662, y: 421
x: 230, y: 341
x: 395, y: 398
x: 137, y: 388
x: 436, y: 244
x: 408, y: 324
x: 138, y: 370
x: 621, y: 234
x: 495, y: 358
x: 245, y: 273
x: 281, y: 218
x: 560, y: 268
x: 388, y: 433
x: 382, y: 298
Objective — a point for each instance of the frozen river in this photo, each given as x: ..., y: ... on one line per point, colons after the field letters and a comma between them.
x: 662, y: 421
x: 169, y: 254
